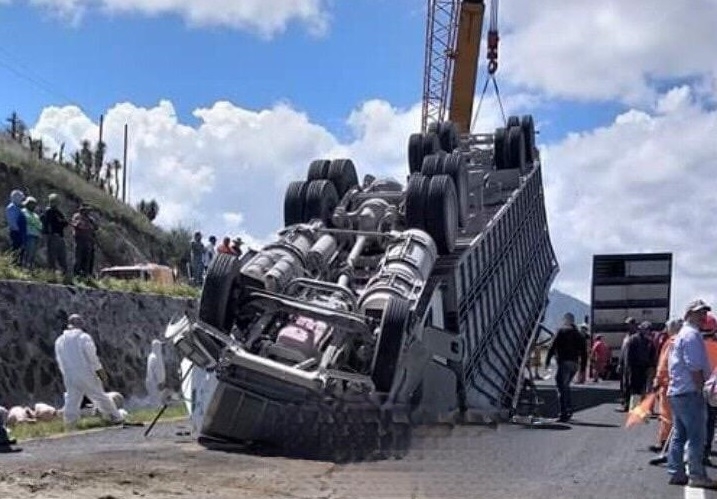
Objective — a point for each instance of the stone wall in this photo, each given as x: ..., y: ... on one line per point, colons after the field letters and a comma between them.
x: 32, y: 316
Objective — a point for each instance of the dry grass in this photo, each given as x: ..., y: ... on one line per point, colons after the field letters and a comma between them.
x: 28, y: 431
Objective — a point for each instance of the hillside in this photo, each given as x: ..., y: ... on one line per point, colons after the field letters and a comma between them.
x: 560, y: 303
x: 125, y: 235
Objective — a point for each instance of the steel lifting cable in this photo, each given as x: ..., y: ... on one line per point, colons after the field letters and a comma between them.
x: 492, y: 56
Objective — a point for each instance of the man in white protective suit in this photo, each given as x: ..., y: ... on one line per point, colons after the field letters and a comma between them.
x: 82, y: 373
x: 155, y: 382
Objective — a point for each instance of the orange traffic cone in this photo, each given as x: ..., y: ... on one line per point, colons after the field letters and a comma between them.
x: 641, y: 412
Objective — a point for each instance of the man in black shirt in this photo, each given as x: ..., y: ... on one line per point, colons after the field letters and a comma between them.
x: 53, y: 224
x: 570, y: 348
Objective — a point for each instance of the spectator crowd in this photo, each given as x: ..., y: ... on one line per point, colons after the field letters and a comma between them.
x: 30, y: 227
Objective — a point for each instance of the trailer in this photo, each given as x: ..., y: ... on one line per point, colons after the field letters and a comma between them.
x: 635, y: 285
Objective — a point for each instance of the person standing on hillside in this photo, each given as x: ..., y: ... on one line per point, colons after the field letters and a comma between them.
x: 16, y: 224
x: 570, y: 348
x: 85, y: 228
x: 225, y: 247
x: 54, y: 223
x: 82, y: 373
x: 34, y: 232
x: 236, y: 246
x: 196, y: 255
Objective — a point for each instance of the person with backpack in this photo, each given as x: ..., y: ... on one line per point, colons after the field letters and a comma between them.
x: 570, y: 348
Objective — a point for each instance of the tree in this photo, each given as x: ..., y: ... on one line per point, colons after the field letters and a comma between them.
x: 149, y: 209
x: 62, y: 152
x: 77, y: 162
x: 87, y: 159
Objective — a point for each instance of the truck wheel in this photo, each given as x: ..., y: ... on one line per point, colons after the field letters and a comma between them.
x: 431, y: 144
x: 318, y: 170
x: 294, y: 200
x: 214, y: 305
x: 394, y: 323
x: 455, y: 166
x: 528, y: 126
x: 516, y: 149
x: 499, y: 141
x: 415, y: 152
x: 442, y: 213
x: 416, y: 192
x: 342, y: 173
x: 448, y: 136
x: 321, y: 200
x: 513, y: 121
x: 433, y: 164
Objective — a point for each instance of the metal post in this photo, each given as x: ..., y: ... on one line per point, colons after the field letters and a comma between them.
x: 124, y: 167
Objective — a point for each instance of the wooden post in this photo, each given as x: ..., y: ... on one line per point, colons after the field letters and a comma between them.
x: 124, y: 167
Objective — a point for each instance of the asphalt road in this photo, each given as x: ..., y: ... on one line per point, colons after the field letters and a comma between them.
x: 594, y: 456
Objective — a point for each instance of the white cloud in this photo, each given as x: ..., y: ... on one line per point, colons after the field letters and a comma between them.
x: 642, y: 183
x: 265, y: 17
x: 611, y: 49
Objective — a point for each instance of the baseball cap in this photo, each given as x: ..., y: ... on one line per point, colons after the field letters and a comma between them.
x: 697, y: 305
x: 645, y: 325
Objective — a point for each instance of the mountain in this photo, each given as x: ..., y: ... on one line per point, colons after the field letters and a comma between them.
x: 561, y: 303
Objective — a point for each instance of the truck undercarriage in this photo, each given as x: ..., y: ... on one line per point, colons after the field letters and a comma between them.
x: 379, y: 306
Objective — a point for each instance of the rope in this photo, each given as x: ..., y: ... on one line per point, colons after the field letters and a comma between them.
x: 500, y: 101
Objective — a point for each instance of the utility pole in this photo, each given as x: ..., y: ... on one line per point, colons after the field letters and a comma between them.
x: 102, y: 123
x: 124, y: 167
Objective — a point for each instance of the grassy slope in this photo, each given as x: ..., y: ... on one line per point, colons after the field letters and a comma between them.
x: 126, y: 236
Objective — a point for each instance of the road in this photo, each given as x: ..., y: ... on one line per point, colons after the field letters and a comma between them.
x: 594, y: 456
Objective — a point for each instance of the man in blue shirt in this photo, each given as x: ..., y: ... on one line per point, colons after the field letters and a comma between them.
x: 16, y: 224
x: 688, y: 368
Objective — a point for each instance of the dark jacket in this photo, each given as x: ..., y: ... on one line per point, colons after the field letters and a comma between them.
x: 569, y: 345
x: 54, y: 222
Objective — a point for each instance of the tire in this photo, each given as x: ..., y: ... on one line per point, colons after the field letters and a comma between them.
x: 416, y: 193
x: 318, y: 170
x: 448, y: 136
x: 431, y: 144
x: 392, y: 332
x: 528, y: 126
x: 455, y: 167
x: 516, y: 149
x: 433, y: 164
x: 294, y: 201
x: 214, y: 305
x: 442, y: 213
x: 513, y: 121
x: 499, y: 142
x: 342, y: 173
x: 321, y: 200
x: 415, y: 152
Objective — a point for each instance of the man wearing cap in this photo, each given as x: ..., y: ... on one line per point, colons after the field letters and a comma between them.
x: 85, y: 228
x: 236, y: 246
x: 54, y: 224
x: 688, y: 368
x: 82, y: 373
x: 34, y: 232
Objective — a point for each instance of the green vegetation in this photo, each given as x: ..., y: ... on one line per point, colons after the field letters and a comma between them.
x: 26, y: 431
x: 8, y: 271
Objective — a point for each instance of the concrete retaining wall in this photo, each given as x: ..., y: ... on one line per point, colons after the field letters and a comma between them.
x: 123, y: 325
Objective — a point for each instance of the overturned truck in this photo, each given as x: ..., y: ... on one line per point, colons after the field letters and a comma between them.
x: 379, y: 305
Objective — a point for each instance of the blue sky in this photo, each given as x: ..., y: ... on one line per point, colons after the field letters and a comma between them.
x: 228, y: 101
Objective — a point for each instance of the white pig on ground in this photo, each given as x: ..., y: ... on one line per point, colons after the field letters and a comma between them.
x: 19, y: 414
x: 45, y: 412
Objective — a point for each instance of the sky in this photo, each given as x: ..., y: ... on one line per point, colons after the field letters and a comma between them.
x: 226, y: 102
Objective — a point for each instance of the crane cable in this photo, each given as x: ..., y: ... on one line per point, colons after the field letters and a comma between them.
x: 492, y: 56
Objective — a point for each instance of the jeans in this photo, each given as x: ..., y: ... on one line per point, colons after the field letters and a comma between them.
x: 17, y: 246
x: 563, y: 377
x: 28, y: 257
x: 688, y: 426
x: 710, y: 429
x: 84, y: 257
